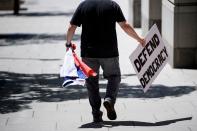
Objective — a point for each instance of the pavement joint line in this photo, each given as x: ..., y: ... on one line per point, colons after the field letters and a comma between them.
x: 81, y: 118
x: 167, y: 76
x: 56, y: 126
x: 173, y: 110
x: 28, y: 59
x: 189, y: 128
x: 57, y: 106
x: 33, y: 114
x: 6, y: 123
x: 194, y: 83
x: 133, y: 124
x: 154, y: 116
x: 193, y: 105
x: 182, y: 71
x: 188, y: 78
x: 42, y: 71
x: 124, y: 105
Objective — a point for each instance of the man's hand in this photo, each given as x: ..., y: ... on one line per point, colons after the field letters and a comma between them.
x: 142, y: 41
x: 67, y: 48
x: 68, y: 45
x: 72, y: 46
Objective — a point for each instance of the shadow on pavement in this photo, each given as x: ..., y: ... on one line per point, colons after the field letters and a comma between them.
x: 19, y: 90
x: 39, y: 59
x: 39, y: 14
x: 155, y: 91
x: 131, y: 123
x: 24, y: 39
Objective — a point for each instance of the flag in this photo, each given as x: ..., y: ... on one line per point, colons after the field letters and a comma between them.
x: 74, y: 71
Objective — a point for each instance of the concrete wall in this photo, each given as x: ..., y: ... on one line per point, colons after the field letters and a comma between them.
x: 151, y: 13
x: 179, y: 31
x: 6, y: 4
x: 11, y: 5
x: 135, y: 13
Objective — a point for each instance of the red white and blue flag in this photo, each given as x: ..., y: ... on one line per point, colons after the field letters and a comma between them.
x: 74, y: 71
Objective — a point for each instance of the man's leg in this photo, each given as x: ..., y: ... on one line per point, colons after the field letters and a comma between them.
x: 111, y: 71
x: 92, y: 84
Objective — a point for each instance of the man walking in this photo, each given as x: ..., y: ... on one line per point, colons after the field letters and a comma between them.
x: 99, y: 49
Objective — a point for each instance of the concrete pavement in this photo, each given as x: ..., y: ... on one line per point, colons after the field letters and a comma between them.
x: 31, y: 97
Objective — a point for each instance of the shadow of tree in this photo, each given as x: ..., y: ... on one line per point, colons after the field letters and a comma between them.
x: 155, y: 91
x: 23, y: 39
x: 131, y: 123
x: 19, y: 90
x: 38, y: 14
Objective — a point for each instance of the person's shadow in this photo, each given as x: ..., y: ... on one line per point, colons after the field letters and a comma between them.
x: 131, y: 123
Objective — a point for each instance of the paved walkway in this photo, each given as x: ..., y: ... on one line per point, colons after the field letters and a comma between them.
x: 31, y: 98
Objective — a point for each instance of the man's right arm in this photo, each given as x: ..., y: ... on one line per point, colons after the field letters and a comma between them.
x: 131, y: 32
x: 70, y: 33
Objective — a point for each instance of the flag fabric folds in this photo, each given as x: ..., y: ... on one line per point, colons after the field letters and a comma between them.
x: 74, y: 71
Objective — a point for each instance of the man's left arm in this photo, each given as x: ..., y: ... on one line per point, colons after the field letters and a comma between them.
x: 131, y: 32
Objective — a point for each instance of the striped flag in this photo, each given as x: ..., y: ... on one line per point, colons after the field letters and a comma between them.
x: 74, y: 71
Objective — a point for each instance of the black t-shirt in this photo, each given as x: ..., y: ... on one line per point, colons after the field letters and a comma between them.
x: 98, y: 19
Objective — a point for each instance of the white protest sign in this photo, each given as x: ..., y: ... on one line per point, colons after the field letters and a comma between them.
x: 148, y: 61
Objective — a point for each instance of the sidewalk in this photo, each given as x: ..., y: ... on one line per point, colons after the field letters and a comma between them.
x: 31, y: 97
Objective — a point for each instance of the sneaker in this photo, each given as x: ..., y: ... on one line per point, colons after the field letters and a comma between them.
x: 111, y: 113
x: 98, y: 117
